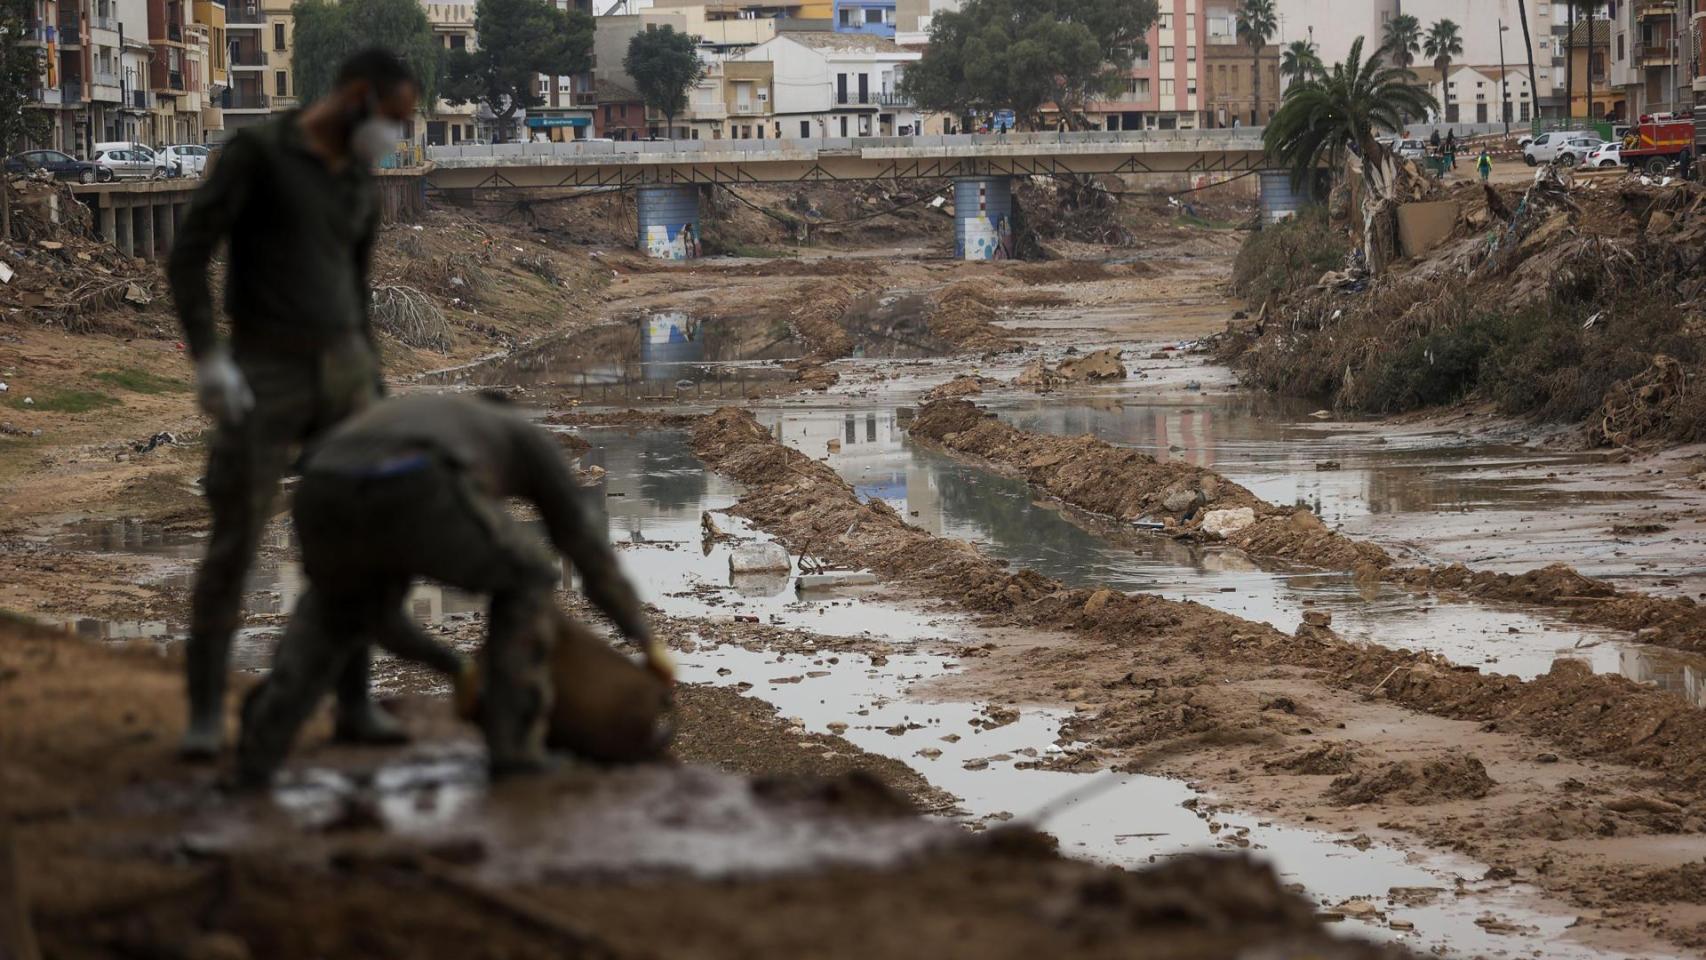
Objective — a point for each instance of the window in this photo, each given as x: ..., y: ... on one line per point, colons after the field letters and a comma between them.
x: 1140, y: 88
x: 458, y: 42
x: 281, y: 83
x: 846, y: 18
x: 844, y: 126
x: 1190, y: 54
x: 1620, y: 46
x: 805, y: 129
x: 278, y: 36
x: 1166, y: 87
x: 1166, y: 54
x: 1166, y: 21
x: 874, y: 15
x: 1191, y: 87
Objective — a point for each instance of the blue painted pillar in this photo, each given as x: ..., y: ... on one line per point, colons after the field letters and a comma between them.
x: 983, y: 218
x: 669, y: 221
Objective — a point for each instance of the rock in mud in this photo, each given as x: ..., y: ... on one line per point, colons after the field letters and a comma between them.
x: 1220, y: 523
x: 1036, y: 376
x: 767, y: 557
x: 1325, y: 759
x: 964, y: 385
x: 1450, y: 776
x: 1104, y: 364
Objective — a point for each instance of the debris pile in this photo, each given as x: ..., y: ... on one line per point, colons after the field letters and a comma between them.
x: 1571, y: 300
x: 57, y: 271
x: 1103, y: 364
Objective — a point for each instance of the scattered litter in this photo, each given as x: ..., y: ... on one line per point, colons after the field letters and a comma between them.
x: 1222, y: 523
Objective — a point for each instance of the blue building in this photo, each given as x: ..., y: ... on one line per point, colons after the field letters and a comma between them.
x: 873, y: 17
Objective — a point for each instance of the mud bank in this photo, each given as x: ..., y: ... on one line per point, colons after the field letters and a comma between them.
x: 123, y: 852
x: 1097, y: 476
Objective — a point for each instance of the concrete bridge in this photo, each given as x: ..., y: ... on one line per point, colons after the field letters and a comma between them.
x: 666, y: 175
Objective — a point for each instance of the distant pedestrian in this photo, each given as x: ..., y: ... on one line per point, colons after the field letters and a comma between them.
x: 1433, y: 141
x: 1685, y: 163
x: 1451, y: 147
x: 1485, y: 165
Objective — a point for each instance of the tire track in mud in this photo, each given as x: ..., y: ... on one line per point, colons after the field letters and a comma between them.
x: 1114, y: 481
x: 807, y: 506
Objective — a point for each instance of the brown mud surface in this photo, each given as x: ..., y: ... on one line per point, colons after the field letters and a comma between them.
x: 1135, y: 669
x: 123, y: 852
x: 1097, y: 476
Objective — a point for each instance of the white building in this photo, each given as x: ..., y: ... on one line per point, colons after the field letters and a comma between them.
x: 836, y: 84
x: 1478, y: 22
x: 1473, y: 95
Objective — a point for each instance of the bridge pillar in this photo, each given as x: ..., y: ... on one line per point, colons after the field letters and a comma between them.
x: 668, y: 215
x: 983, y: 218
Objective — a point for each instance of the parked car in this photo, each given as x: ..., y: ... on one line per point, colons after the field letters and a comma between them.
x: 1411, y: 149
x: 190, y: 158
x: 127, y: 164
x: 1608, y: 154
x: 167, y: 169
x: 63, y: 166
x: 1575, y: 152
x: 1545, y: 148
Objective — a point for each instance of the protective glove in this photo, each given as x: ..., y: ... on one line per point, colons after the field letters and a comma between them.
x: 220, y: 388
x: 658, y: 660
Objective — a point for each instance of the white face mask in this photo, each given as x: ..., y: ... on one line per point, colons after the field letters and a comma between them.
x: 374, y: 137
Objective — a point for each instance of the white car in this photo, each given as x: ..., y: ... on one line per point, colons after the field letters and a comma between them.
x: 127, y: 164
x: 1574, y: 153
x: 1608, y: 154
x: 189, y: 158
x: 166, y: 168
x: 1546, y: 147
x: 1411, y: 149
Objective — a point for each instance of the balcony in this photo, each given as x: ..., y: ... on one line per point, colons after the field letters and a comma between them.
x: 248, y: 58
x: 1656, y: 55
x: 238, y: 14
x: 109, y: 24
x: 71, y: 91
x: 46, y: 96
x: 175, y: 32
x: 34, y: 31
x: 583, y: 98
x: 1655, y: 9
x: 140, y: 100
x: 894, y: 98
x: 245, y: 100
x: 70, y: 27
x: 284, y: 103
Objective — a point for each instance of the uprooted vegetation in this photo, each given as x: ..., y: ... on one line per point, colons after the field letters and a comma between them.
x: 1568, y: 303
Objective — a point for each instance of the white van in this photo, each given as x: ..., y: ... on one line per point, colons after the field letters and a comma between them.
x: 1546, y: 147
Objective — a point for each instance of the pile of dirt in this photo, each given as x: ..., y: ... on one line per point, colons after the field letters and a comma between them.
x: 1683, y: 884
x: 1571, y: 302
x: 1327, y: 759
x: 963, y: 385
x: 1083, y: 471
x: 816, y: 320
x: 1450, y: 776
x: 57, y: 271
x: 1104, y: 364
x: 964, y: 316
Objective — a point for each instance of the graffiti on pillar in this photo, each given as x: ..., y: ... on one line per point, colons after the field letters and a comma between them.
x: 987, y: 239
x: 672, y: 242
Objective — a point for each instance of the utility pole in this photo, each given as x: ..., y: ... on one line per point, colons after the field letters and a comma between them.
x: 1504, y: 81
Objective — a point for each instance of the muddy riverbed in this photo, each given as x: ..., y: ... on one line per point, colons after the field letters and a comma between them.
x: 991, y: 722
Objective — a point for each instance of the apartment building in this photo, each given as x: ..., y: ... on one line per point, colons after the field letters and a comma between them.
x: 1162, y: 89
x: 258, y: 44
x: 1651, y: 44
x: 873, y: 17
x: 453, y: 29
x: 1228, y: 77
x: 214, y: 52
x: 827, y: 84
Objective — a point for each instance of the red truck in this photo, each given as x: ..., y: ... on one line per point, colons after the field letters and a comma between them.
x: 1658, y: 141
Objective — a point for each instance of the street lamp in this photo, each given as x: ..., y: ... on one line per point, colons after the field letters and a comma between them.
x: 1504, y: 81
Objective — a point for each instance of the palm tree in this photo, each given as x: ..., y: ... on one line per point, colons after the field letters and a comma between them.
x: 1301, y: 61
x: 1337, y: 113
x: 1444, y: 41
x: 1256, y: 23
x: 1403, y: 39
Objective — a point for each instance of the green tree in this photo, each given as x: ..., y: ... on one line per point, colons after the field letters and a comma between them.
x: 1443, y: 43
x: 519, y: 41
x: 1324, y: 119
x: 1023, y: 55
x: 1256, y: 25
x: 1403, y: 40
x: 329, y: 31
x: 21, y: 71
x: 1300, y: 61
x: 664, y: 65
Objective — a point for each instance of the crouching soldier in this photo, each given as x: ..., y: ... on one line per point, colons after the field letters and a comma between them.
x: 414, y: 487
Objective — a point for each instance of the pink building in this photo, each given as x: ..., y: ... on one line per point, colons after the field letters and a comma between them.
x: 1162, y: 90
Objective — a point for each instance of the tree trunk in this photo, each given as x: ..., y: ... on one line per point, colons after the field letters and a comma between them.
x: 1256, y: 86
x: 1570, y: 65
x: 1528, y: 45
x: 5, y: 207
x: 17, y: 939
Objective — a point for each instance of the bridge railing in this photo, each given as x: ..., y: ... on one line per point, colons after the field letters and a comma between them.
x: 805, y: 147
